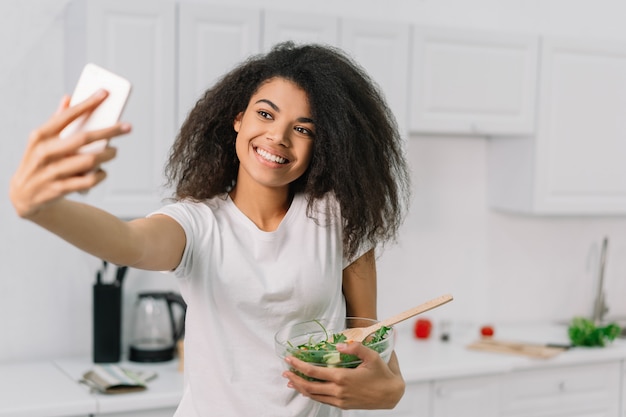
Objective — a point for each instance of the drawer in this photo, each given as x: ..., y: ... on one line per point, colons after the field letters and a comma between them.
x: 161, y: 412
x: 414, y: 403
x: 469, y: 396
x: 559, y: 389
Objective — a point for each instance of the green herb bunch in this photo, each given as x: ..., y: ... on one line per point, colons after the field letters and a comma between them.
x: 583, y: 332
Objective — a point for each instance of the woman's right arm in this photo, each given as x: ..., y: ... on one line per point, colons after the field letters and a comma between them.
x: 52, y: 168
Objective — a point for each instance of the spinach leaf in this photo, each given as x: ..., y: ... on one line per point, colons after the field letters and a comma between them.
x: 315, y: 351
x: 325, y: 351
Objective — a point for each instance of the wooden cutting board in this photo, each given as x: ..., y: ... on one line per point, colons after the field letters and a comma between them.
x: 516, y: 348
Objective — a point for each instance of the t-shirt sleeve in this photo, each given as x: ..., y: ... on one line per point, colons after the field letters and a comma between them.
x: 362, y: 251
x: 329, y: 207
x: 184, y: 214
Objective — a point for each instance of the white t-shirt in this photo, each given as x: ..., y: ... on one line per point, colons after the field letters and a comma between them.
x: 241, y: 285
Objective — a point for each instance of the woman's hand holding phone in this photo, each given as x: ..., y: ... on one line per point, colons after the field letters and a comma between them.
x: 52, y: 168
x: 92, y: 80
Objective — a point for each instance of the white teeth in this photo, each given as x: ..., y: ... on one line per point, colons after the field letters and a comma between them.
x: 270, y: 157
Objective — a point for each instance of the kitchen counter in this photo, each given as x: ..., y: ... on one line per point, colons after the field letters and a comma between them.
x: 40, y: 389
x: 164, y: 391
x: 432, y: 359
x: 50, y: 388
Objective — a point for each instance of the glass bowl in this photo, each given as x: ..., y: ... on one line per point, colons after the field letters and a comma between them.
x: 314, y: 341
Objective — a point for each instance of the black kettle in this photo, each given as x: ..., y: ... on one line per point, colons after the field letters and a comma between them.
x: 156, y: 327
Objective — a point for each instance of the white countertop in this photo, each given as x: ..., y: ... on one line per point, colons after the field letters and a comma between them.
x: 424, y: 360
x: 39, y: 389
x: 164, y: 391
x: 51, y: 388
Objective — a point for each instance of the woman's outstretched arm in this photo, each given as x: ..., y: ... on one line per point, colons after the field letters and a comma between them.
x: 52, y: 168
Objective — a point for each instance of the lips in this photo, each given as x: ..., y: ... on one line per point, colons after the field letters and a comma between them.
x: 271, y: 157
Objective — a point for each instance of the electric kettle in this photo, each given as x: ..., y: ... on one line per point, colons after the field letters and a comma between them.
x: 156, y: 327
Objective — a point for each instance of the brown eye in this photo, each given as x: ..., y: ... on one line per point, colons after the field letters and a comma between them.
x: 304, y: 131
x: 264, y: 114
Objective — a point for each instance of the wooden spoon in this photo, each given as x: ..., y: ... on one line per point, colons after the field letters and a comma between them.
x: 358, y: 334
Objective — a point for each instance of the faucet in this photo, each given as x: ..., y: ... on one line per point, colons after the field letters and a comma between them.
x: 599, y: 306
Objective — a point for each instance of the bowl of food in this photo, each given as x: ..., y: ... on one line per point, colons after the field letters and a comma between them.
x: 315, y: 342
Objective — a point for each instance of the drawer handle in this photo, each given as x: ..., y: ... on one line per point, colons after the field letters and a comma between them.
x: 562, y: 386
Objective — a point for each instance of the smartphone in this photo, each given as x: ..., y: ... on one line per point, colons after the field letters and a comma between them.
x: 93, y: 78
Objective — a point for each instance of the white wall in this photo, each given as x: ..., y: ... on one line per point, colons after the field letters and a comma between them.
x: 499, y: 267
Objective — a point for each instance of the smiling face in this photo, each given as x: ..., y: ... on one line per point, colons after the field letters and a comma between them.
x: 274, y: 135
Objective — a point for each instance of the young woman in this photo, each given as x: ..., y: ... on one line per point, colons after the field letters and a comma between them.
x: 288, y: 174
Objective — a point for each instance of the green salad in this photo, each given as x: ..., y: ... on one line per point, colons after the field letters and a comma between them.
x: 325, y: 353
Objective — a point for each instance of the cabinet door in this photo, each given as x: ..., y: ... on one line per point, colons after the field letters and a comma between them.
x: 136, y: 40
x: 414, y: 403
x: 161, y: 412
x: 575, y: 162
x: 299, y: 27
x: 581, y: 144
x: 468, y: 397
x: 472, y: 82
x: 584, y: 390
x: 383, y: 50
x: 211, y: 41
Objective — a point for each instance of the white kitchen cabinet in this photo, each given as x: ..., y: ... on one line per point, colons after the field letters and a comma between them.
x: 414, y: 403
x: 471, y: 82
x: 591, y: 390
x: 135, y: 39
x: 468, y: 397
x: 574, y: 164
x: 282, y: 26
x: 622, y: 412
x: 211, y: 41
x: 382, y: 48
x: 161, y: 412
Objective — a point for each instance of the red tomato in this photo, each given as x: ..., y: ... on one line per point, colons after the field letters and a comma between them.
x: 486, y: 331
x: 422, y: 328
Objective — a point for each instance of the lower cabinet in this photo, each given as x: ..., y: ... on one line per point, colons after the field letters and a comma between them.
x: 161, y: 412
x: 589, y: 390
x: 414, y: 403
x: 467, y: 397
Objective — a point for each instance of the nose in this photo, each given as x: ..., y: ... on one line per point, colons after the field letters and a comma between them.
x: 279, y: 134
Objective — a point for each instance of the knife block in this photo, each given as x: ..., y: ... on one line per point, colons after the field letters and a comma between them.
x: 107, y: 322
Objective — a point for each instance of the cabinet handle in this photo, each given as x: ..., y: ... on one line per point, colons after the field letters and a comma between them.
x: 562, y: 386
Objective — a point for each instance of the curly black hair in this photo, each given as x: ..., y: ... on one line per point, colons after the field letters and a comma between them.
x: 357, y: 155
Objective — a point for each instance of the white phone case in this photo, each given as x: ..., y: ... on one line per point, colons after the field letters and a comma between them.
x: 108, y: 113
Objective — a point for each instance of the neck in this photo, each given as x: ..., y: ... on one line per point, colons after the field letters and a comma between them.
x: 265, y: 207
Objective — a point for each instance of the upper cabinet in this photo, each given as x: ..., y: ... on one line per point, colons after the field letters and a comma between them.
x: 555, y: 115
x: 173, y: 51
x: 282, y: 26
x: 470, y: 82
x: 136, y: 40
x: 211, y: 41
x: 574, y: 164
x: 382, y: 48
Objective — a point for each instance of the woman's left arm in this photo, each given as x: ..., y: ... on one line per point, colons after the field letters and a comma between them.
x: 372, y: 385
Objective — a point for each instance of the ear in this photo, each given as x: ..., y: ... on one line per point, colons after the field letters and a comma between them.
x: 237, y: 122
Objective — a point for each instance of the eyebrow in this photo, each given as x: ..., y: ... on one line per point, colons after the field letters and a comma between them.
x: 277, y: 109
